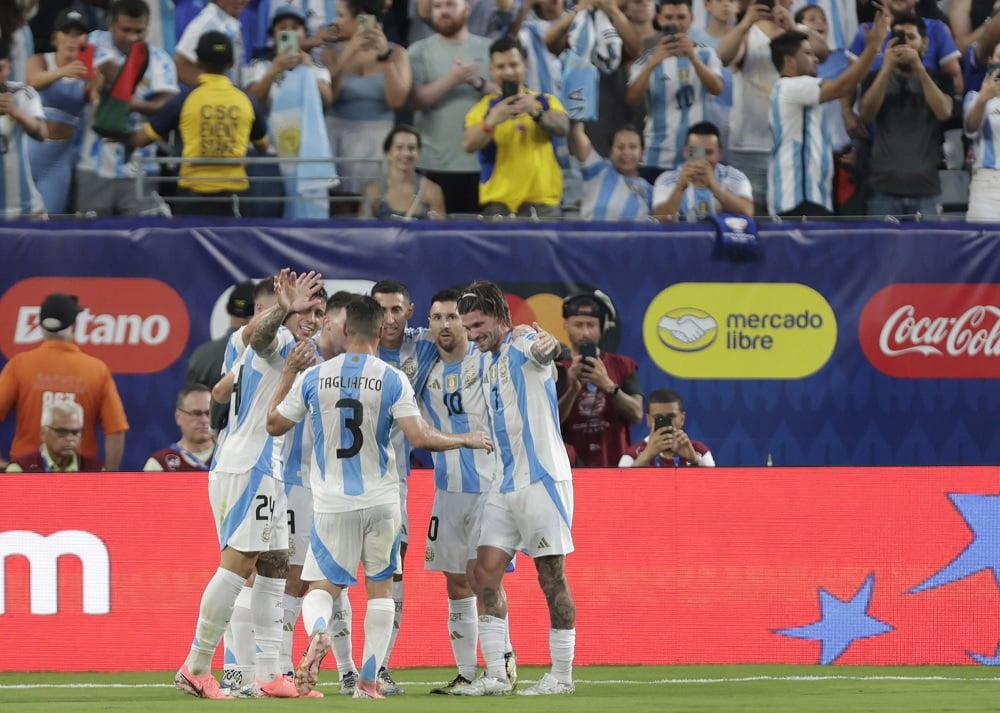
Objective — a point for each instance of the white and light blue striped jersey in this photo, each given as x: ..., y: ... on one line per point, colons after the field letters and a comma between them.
x: 107, y: 158
x: 453, y: 402
x: 414, y: 358
x: 608, y: 195
x: 524, y: 412
x: 698, y: 203
x: 18, y: 194
x: 801, y: 166
x: 986, y: 146
x: 675, y: 100
x: 841, y: 20
x: 234, y: 349
x: 246, y: 445
x: 213, y: 18
x: 296, y: 455
x: 352, y: 400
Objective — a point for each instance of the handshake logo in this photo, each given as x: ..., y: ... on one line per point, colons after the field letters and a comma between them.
x: 687, y: 329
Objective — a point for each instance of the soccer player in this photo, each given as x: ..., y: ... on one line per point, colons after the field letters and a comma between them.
x: 453, y: 402
x: 248, y: 500
x: 533, y: 505
x: 412, y: 351
x: 353, y: 400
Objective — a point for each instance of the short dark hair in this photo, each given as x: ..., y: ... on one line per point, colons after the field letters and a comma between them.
x: 364, y: 317
x: 634, y: 129
x: 191, y: 388
x: 449, y: 295
x: 391, y: 287
x: 909, y: 18
x: 800, y: 14
x: 704, y: 128
x: 129, y: 8
x: 339, y: 300
x: 400, y: 129
x: 676, y: 2
x: 665, y: 396
x: 506, y: 44
x: 4, y: 48
x: 488, y: 298
x: 262, y: 288
x: 786, y: 45
x: 365, y: 7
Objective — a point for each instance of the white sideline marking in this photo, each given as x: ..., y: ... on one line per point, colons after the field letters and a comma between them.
x: 660, y: 682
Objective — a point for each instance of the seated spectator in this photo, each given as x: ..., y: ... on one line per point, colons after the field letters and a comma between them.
x: 295, y: 90
x: 217, y: 109
x: 371, y: 79
x: 62, y: 426
x: 194, y: 449
x: 63, y: 83
x: 402, y: 192
x: 674, y: 81
x: 667, y: 445
x: 907, y: 104
x: 612, y: 187
x: 982, y: 125
x: 21, y: 117
x: 513, y: 134
x: 702, y: 185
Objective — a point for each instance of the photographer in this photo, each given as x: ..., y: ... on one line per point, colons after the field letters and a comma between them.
x: 702, y: 185
x: 906, y: 102
x: 667, y: 445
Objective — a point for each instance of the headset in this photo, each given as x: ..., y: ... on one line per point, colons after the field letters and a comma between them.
x: 608, y: 315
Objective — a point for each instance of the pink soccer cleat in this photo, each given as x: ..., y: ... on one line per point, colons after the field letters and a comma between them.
x: 204, y: 686
x: 307, y: 673
x: 281, y: 686
x: 367, y: 689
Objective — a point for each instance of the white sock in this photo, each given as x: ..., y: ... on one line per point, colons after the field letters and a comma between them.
x: 508, y: 646
x: 463, y: 629
x: 316, y: 607
x: 216, y: 607
x: 492, y: 640
x: 340, y: 634
x: 240, y: 648
x: 293, y: 606
x: 268, y: 618
x: 562, y: 649
x: 378, y: 629
x: 397, y: 618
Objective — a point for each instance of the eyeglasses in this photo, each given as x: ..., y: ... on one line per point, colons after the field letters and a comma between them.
x: 66, y: 432
x: 196, y: 413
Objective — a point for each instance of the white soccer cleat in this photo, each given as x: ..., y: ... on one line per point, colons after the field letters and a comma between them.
x: 548, y: 685
x: 485, y: 686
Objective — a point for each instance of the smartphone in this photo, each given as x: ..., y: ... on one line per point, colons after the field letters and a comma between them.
x: 663, y: 421
x: 898, y: 35
x: 992, y: 68
x: 768, y: 3
x: 509, y: 88
x: 695, y: 152
x: 288, y: 42
x: 588, y: 351
x: 670, y: 29
x: 367, y: 22
x: 86, y: 55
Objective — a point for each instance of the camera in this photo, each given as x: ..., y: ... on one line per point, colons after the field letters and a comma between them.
x: 663, y: 421
x: 900, y: 36
x: 588, y: 351
x: 509, y: 88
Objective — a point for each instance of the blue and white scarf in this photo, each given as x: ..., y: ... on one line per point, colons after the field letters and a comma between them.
x: 593, y: 36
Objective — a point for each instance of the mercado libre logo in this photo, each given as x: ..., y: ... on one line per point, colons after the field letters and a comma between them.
x: 134, y: 325
x: 739, y: 330
x: 933, y: 331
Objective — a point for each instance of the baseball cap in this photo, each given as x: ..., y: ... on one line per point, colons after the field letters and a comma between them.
x: 283, y: 11
x: 68, y: 18
x: 240, y: 303
x: 59, y: 311
x: 583, y: 306
x: 214, y: 48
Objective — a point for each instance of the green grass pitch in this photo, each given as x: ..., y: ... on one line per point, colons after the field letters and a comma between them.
x: 599, y: 689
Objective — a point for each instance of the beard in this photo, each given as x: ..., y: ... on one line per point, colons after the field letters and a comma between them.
x: 449, y: 28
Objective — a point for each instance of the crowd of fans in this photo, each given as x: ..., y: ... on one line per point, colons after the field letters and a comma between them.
x: 625, y: 108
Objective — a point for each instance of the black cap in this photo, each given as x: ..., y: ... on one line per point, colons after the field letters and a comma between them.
x: 68, y: 18
x: 59, y: 311
x: 214, y: 48
x: 240, y: 303
x: 583, y: 306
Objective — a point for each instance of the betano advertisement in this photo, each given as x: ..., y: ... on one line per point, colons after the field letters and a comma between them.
x: 867, y: 344
x: 768, y: 565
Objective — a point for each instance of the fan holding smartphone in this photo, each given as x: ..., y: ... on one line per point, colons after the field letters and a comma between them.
x: 667, y: 445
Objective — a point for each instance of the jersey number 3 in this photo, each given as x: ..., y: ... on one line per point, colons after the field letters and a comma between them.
x: 352, y: 422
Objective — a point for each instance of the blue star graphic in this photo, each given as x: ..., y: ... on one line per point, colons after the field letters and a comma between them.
x: 841, y: 623
x: 982, y: 514
x: 985, y: 659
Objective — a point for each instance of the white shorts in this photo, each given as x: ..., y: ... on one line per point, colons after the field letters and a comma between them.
x: 300, y: 520
x: 341, y: 541
x: 404, y: 528
x: 536, y: 519
x: 249, y: 511
x: 453, y: 532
